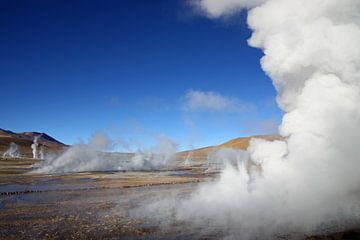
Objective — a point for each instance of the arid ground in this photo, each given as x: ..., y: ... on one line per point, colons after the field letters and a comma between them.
x: 86, y: 205
x: 97, y: 205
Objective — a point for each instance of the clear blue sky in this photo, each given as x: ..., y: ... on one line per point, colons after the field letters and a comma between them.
x: 69, y: 68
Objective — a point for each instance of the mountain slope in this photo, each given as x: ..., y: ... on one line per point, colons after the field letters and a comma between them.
x: 242, y: 143
x: 25, y: 139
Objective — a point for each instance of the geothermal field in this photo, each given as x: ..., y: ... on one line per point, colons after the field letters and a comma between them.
x: 133, y: 203
x: 141, y: 201
x: 193, y: 119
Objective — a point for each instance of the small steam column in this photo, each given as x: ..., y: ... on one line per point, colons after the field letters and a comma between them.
x: 34, y: 146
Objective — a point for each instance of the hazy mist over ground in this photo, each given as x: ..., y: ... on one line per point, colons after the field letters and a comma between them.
x: 95, y: 156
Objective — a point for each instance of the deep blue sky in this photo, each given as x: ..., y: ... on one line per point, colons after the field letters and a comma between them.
x: 69, y: 68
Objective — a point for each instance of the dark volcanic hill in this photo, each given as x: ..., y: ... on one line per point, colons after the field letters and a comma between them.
x: 25, y: 139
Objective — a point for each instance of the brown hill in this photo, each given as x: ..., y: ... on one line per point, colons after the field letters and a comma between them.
x: 25, y: 139
x: 200, y: 154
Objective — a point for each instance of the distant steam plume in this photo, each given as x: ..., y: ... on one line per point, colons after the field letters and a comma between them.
x: 34, y: 146
x: 12, y: 151
x: 311, y: 180
x: 42, y: 153
x: 155, y: 157
x: 188, y: 160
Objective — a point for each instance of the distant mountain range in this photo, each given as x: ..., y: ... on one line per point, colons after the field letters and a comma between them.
x: 25, y: 139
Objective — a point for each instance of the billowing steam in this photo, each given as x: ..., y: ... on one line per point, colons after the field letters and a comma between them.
x: 94, y: 156
x: 312, y: 179
x: 12, y: 151
x: 156, y: 157
x: 34, y: 146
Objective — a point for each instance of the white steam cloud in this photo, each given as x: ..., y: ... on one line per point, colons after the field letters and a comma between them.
x: 94, y: 156
x: 311, y: 180
x: 12, y: 151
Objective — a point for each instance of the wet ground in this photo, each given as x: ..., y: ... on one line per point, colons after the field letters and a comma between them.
x: 100, y: 205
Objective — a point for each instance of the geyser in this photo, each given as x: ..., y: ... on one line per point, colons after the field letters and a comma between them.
x: 311, y: 180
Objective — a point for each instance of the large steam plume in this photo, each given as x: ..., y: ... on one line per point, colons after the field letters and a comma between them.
x: 312, y: 179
